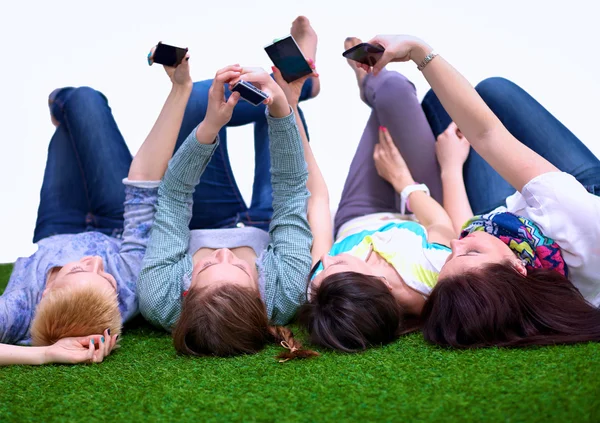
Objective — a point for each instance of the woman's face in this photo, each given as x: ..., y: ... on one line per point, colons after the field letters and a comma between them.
x: 341, y: 263
x: 88, y: 270
x: 407, y: 297
x: 223, y: 267
x: 475, y: 251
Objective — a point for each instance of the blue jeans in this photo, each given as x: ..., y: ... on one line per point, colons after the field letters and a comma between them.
x: 87, y: 160
x: 530, y: 123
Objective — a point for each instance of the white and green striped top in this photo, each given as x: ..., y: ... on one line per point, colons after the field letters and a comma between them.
x: 284, y: 265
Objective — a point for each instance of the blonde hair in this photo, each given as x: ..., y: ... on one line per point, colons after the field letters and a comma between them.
x: 75, y: 311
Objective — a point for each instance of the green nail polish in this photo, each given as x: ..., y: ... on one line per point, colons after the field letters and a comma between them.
x: 101, y: 339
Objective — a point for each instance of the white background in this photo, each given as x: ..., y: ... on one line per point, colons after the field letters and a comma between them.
x: 547, y: 47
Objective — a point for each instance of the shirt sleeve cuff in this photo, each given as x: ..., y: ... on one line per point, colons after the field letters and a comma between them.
x: 141, y: 184
x: 281, y: 124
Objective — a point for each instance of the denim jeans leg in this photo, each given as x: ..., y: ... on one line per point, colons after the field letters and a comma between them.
x: 530, y: 123
x: 218, y: 201
x: 87, y: 161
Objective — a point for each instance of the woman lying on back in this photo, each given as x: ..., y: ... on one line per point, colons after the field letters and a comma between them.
x: 527, y: 273
x: 96, y: 209
x: 220, y: 291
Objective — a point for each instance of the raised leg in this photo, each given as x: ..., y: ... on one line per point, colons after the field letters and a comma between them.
x: 395, y: 106
x: 87, y: 160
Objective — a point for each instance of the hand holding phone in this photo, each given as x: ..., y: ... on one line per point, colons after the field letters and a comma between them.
x: 259, y: 78
x: 287, y: 57
x: 167, y: 55
x: 179, y: 74
x: 365, y: 53
x: 250, y: 93
x: 219, y: 110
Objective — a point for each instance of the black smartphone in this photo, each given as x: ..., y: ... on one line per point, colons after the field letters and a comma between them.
x: 250, y: 93
x: 287, y: 57
x: 167, y: 55
x: 364, y: 53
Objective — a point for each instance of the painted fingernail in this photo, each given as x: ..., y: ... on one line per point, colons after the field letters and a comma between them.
x: 273, y: 69
x: 150, y: 59
x: 108, y: 330
x: 101, y: 339
x: 92, y: 341
x: 383, y: 128
x: 380, y: 128
x: 116, y: 338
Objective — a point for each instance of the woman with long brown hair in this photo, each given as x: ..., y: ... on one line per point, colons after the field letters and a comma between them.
x: 526, y: 269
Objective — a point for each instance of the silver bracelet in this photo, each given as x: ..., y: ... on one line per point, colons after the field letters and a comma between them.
x: 426, y: 60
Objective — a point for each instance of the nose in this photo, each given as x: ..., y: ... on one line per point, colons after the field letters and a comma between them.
x: 327, y: 260
x: 224, y: 255
x: 94, y: 264
x: 454, y: 244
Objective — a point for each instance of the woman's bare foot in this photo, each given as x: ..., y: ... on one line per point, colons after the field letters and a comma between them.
x: 360, y: 72
x: 307, y: 39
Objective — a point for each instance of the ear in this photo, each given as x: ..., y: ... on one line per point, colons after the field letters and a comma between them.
x: 385, y: 281
x: 520, y: 267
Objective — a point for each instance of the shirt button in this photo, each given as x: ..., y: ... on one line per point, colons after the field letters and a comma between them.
x: 240, y: 225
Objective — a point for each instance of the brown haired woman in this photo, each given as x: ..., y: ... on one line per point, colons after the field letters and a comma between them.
x: 527, y: 273
x: 220, y: 290
x: 371, y: 285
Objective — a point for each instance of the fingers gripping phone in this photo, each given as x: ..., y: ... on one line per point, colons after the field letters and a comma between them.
x: 364, y: 53
x: 250, y: 93
x: 287, y: 57
x: 167, y: 55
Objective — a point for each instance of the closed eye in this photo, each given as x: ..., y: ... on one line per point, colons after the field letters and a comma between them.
x: 76, y: 269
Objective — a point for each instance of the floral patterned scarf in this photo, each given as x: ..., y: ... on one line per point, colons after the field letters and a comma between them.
x: 523, y: 237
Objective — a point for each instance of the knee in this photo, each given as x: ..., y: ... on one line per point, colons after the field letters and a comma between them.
x: 397, y: 83
x: 491, y: 88
x: 395, y: 88
x: 85, y: 97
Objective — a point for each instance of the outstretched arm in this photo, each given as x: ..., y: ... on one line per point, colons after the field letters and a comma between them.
x: 151, y: 160
x: 513, y: 160
x: 318, y: 211
x: 166, y: 262
x: 86, y: 349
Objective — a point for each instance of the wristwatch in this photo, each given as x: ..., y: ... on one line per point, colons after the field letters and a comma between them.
x: 407, y: 191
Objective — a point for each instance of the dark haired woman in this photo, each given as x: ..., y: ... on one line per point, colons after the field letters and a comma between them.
x: 527, y: 273
x: 351, y: 311
x: 371, y: 285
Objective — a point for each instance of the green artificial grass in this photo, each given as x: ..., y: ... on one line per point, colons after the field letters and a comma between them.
x: 406, y: 381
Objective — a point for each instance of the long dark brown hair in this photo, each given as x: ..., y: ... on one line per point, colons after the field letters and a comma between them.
x: 350, y: 312
x: 227, y: 321
x: 498, y: 306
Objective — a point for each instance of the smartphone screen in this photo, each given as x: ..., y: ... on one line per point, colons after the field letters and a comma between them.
x: 168, y: 55
x: 287, y: 57
x: 249, y: 93
x: 365, y: 53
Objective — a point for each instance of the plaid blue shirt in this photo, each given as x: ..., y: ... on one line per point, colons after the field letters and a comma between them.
x: 283, y: 267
